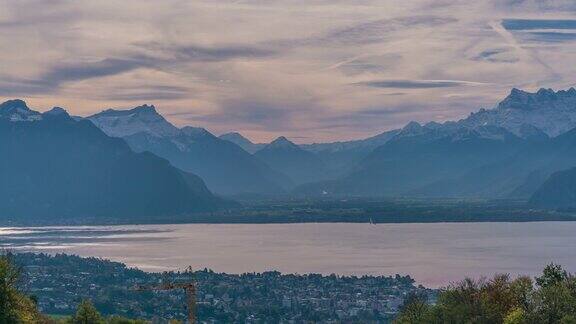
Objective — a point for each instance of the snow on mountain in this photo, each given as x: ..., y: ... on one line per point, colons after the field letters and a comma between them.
x: 456, y: 131
x: 551, y: 112
x: 17, y: 111
x: 226, y: 168
x: 196, y: 132
x: 534, y: 116
x: 412, y: 129
x: 362, y: 144
x: 142, y: 119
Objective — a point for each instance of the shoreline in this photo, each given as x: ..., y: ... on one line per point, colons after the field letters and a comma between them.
x: 72, y: 223
x: 358, y: 210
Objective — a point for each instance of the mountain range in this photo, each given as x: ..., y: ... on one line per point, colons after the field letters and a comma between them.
x: 505, y: 152
x: 508, y: 151
x: 242, y: 141
x: 226, y: 168
x: 524, y: 147
x: 55, y: 166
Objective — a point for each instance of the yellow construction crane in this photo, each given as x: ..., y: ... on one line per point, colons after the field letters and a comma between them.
x: 188, y: 287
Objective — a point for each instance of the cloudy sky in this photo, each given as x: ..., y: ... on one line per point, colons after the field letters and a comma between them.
x: 311, y: 70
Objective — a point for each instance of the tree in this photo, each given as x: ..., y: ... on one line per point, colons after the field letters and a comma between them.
x: 87, y: 314
x: 500, y: 300
x: 568, y: 319
x: 415, y: 310
x: 552, y: 275
x: 15, y: 307
x: 516, y: 316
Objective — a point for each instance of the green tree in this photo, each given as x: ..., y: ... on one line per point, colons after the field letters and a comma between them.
x: 15, y: 307
x: 516, y: 316
x: 87, y: 314
x: 568, y: 319
x: 415, y: 310
x: 553, y: 274
x: 553, y: 302
x: 501, y: 300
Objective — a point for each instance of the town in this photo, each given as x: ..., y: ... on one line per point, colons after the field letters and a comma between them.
x: 60, y: 282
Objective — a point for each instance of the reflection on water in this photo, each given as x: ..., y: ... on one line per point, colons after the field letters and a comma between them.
x: 434, y: 254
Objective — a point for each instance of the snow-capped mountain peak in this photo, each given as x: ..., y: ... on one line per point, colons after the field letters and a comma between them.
x: 553, y: 112
x: 142, y: 119
x: 412, y: 129
x: 17, y: 111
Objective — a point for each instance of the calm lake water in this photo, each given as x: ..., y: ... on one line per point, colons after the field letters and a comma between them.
x: 433, y: 254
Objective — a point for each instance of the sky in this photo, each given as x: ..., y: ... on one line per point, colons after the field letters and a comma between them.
x: 311, y: 70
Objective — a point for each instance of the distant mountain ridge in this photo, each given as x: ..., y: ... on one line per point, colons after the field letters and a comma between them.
x: 300, y: 165
x: 419, y: 156
x: 242, y: 141
x: 226, y: 168
x: 552, y: 112
x: 55, y: 166
x: 503, y: 152
x: 16, y: 111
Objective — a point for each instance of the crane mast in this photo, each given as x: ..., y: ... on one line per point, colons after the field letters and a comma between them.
x: 188, y: 287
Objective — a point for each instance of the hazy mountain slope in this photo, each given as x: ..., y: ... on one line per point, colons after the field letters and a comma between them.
x: 226, y: 168
x: 501, y: 152
x: 520, y: 175
x: 515, y: 170
x: 242, y: 141
x: 300, y: 165
x: 53, y: 165
x: 340, y: 157
x: 558, y: 191
x: 420, y: 156
x: 532, y: 116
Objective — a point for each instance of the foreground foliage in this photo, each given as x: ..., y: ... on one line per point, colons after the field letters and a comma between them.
x: 14, y: 306
x: 550, y: 299
x: 17, y: 308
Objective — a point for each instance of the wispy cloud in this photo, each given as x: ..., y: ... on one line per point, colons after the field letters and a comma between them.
x: 148, y: 93
x: 365, y: 32
x: 417, y: 84
x: 549, y: 37
x: 223, y: 53
x: 497, y: 55
x: 541, y: 30
x: 63, y: 72
x: 531, y: 24
x: 341, y: 69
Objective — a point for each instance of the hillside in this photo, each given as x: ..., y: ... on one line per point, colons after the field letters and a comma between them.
x: 299, y: 165
x: 226, y: 168
x: 558, y: 191
x: 55, y: 166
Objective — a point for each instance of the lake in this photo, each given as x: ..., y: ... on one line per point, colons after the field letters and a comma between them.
x: 433, y: 254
